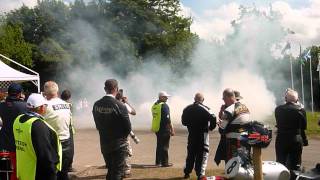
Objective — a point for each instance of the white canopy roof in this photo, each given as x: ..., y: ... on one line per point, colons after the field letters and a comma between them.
x: 7, y: 73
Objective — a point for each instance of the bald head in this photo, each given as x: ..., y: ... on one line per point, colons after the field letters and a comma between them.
x: 199, y: 98
x: 229, y: 96
x: 291, y: 96
x: 51, y: 89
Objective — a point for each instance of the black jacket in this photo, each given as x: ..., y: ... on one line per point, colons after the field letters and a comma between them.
x: 198, y: 119
x: 291, y: 120
x: 9, y: 110
x: 113, y: 123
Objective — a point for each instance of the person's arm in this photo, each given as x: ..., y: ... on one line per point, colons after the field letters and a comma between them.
x: 166, y: 113
x: 185, y: 117
x: 125, y: 118
x: 130, y: 109
x: 304, y: 127
x: 212, y: 121
x: 45, y: 146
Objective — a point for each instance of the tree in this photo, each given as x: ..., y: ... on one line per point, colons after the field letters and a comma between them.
x: 13, y: 45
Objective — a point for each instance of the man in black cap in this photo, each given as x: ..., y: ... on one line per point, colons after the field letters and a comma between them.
x: 9, y: 110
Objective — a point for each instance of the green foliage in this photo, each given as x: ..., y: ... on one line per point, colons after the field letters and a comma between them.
x: 118, y: 32
x: 51, y: 51
x: 13, y: 45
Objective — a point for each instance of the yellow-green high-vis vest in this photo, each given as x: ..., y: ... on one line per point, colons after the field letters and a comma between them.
x: 156, y: 116
x: 26, y: 156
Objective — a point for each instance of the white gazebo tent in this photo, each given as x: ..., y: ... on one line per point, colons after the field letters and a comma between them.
x: 8, y: 74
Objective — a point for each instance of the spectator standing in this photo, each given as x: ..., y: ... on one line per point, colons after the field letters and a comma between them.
x: 162, y: 126
x: 66, y: 96
x: 37, y: 144
x: 9, y: 110
x: 233, y: 117
x: 199, y: 120
x: 113, y: 124
x: 291, y: 124
x: 59, y: 116
x: 132, y: 111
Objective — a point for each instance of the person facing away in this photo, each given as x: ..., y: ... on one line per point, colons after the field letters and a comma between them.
x: 291, y: 123
x: 59, y: 117
x: 38, y: 147
x: 162, y: 127
x: 233, y: 117
x: 9, y: 110
x: 113, y: 124
x: 66, y: 96
x: 199, y: 120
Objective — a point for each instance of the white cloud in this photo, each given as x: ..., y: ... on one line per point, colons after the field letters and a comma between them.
x: 305, y: 22
x: 8, y: 5
x: 214, y: 24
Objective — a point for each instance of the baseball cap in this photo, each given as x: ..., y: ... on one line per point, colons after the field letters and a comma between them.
x: 35, y: 100
x: 14, y: 89
x: 163, y: 93
x: 237, y: 95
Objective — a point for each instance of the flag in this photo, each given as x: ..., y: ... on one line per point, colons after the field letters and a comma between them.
x: 286, y: 48
x: 307, y: 55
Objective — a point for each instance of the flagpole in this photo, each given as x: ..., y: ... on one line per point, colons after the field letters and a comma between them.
x: 291, y: 72
x: 301, y: 73
x: 311, y: 86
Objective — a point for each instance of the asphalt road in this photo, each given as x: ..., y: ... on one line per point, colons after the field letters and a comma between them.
x: 87, y: 150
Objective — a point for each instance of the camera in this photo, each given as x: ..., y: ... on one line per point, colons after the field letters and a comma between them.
x: 134, y: 137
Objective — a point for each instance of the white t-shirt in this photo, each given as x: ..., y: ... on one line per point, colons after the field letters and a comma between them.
x: 59, y: 116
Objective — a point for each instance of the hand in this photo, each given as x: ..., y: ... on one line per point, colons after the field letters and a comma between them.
x: 305, y: 142
x: 172, y: 133
x: 124, y: 99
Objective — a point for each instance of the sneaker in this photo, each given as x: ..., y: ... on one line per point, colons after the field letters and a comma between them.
x: 186, y: 176
x: 167, y: 165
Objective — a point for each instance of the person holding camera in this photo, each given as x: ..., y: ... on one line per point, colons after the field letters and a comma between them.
x: 132, y: 111
x: 291, y: 123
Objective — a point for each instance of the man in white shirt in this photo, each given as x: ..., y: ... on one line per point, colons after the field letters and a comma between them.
x: 59, y: 117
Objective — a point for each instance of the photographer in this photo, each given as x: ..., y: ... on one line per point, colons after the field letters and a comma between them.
x: 132, y: 111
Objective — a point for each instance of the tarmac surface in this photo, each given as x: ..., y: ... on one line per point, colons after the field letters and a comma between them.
x: 88, y: 155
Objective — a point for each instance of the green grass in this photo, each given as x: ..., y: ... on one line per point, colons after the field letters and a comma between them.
x: 313, y: 128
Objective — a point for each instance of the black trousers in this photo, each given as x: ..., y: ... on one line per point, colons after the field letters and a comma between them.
x: 115, y: 161
x: 162, y: 155
x: 67, y: 156
x: 289, y: 150
x: 197, y: 156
